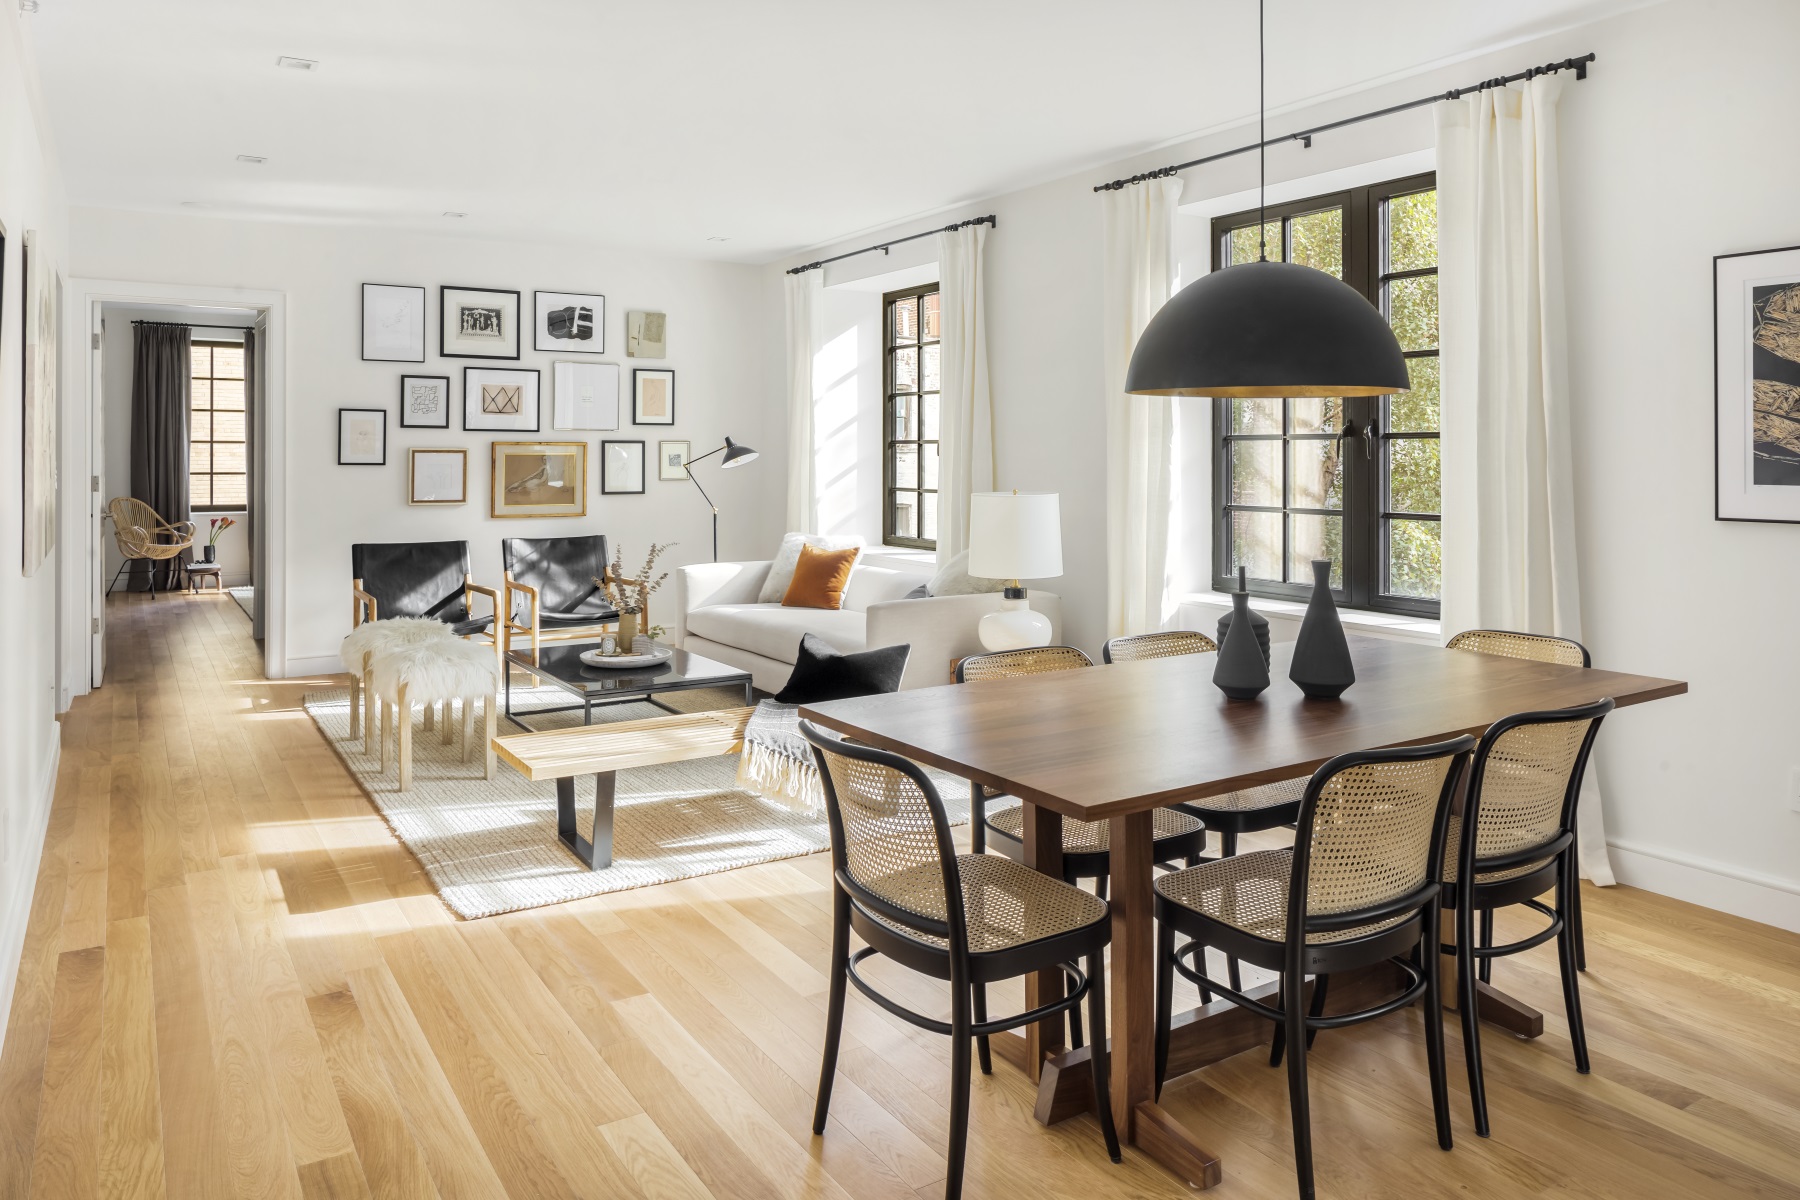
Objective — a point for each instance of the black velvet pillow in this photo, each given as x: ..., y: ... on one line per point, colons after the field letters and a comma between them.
x: 821, y: 673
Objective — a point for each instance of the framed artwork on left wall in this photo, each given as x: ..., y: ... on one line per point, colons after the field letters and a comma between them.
x: 362, y: 437
x: 424, y: 402
x: 393, y: 328
x: 478, y: 323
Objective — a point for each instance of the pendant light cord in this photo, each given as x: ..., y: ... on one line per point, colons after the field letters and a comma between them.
x: 1262, y: 141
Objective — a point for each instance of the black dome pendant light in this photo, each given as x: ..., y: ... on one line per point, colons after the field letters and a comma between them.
x: 1267, y: 328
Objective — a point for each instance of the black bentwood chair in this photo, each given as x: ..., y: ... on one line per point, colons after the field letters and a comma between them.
x: 972, y: 919
x: 552, y: 593
x: 1515, y: 837
x: 1360, y: 885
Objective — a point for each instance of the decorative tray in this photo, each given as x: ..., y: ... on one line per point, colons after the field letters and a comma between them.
x: 642, y: 658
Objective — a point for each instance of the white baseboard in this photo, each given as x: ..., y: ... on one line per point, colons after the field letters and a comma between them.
x: 1714, y: 885
x: 321, y: 664
x: 19, y: 881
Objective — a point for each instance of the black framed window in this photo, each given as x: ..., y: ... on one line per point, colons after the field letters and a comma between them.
x: 910, y: 426
x: 217, y: 460
x: 1353, y: 479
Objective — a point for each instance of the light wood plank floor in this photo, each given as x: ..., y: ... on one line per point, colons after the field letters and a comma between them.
x: 236, y: 983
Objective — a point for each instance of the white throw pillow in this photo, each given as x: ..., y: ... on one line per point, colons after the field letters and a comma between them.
x: 953, y: 579
x: 781, y: 571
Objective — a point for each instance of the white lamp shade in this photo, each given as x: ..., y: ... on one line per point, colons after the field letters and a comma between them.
x: 1015, y: 535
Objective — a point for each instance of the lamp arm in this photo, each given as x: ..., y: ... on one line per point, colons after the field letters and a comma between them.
x: 688, y: 467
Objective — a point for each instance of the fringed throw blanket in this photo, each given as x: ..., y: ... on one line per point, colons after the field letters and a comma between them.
x: 777, y: 763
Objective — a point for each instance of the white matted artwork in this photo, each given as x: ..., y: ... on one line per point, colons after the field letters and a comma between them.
x: 437, y: 476
x: 1756, y: 398
x: 42, y: 291
x: 569, y: 323
x: 584, y: 395
x: 646, y: 335
x: 671, y: 459
x: 621, y: 468
x: 478, y: 323
x: 652, y: 397
x: 362, y: 437
x: 393, y: 323
x: 500, y: 399
x: 425, y: 402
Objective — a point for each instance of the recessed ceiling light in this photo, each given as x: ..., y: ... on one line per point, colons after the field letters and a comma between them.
x: 29, y: 6
x: 455, y: 214
x: 251, y: 158
x: 718, y: 239
x: 195, y: 204
x: 297, y: 64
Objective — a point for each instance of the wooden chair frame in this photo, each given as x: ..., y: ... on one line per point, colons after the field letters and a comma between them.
x: 567, y: 633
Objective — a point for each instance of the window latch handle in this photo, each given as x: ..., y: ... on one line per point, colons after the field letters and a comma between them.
x: 1368, y: 437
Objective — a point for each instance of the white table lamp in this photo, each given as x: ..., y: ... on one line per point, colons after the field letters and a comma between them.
x: 1015, y: 535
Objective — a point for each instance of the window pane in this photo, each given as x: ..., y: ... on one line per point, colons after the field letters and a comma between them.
x: 928, y: 413
x: 228, y: 456
x: 906, y: 466
x: 1256, y: 544
x: 929, y: 309
x: 1244, y: 246
x: 906, y: 320
x: 931, y: 369
x: 1415, y: 559
x: 227, y: 427
x: 928, y: 515
x: 906, y: 514
x: 199, y: 491
x: 906, y: 369
x: 1256, y: 473
x: 201, y: 359
x: 1416, y: 411
x: 199, y: 393
x: 229, y: 490
x: 1256, y: 416
x: 1413, y: 475
x: 1318, y: 241
x: 928, y: 466
x: 1315, y: 416
x: 1413, y: 311
x: 228, y: 362
x: 228, y: 393
x: 1315, y: 537
x: 199, y: 457
x: 1315, y: 473
x: 905, y: 418
x: 1412, y: 232
x: 200, y: 426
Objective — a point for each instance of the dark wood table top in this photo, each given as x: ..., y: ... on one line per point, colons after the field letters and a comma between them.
x: 1105, y: 741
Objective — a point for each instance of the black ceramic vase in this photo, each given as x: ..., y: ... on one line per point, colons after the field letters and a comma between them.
x: 1321, y: 665
x: 1241, y: 672
x: 1258, y: 622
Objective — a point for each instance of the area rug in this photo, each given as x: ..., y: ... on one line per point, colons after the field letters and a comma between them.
x: 246, y: 600
x: 490, y: 847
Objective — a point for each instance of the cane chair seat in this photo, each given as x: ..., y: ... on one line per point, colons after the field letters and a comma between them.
x: 1006, y: 904
x: 1253, y: 800
x: 1249, y: 892
x: 1453, y: 838
x: 1095, y: 837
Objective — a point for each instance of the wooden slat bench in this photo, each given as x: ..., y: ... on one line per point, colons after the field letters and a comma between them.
x: 604, y: 750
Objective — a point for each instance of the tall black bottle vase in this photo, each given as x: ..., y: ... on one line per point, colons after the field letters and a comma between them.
x: 1241, y: 672
x: 1321, y: 664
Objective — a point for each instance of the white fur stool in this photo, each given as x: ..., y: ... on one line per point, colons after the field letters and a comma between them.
x: 369, y: 639
x: 431, y: 672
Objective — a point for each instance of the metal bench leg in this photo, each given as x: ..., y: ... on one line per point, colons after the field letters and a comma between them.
x: 598, y: 852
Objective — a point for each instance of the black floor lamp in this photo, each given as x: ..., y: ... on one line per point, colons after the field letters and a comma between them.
x: 735, y: 456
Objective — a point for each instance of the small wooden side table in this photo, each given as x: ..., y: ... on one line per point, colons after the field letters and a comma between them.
x: 198, y: 573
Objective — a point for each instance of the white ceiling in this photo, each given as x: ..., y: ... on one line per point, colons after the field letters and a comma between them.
x: 779, y: 124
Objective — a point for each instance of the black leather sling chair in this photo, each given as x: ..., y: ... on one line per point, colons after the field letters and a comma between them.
x: 552, y: 593
x: 419, y: 579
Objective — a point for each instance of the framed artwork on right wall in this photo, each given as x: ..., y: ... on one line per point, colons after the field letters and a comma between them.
x: 1756, y: 389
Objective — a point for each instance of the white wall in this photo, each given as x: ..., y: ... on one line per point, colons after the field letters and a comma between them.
x: 716, y: 348
x: 117, y: 351
x: 1672, y: 154
x: 31, y: 197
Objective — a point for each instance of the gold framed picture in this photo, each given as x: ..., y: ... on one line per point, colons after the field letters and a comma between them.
x: 539, y: 479
x: 437, y: 476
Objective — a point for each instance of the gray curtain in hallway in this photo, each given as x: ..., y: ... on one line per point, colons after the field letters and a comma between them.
x: 253, y: 468
x: 160, y: 366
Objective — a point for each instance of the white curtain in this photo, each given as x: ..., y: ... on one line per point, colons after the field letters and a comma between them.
x: 803, y: 294
x: 1509, y: 553
x: 965, y: 406
x: 1140, y: 276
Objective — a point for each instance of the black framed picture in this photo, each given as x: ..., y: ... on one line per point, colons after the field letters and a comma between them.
x: 569, y: 323
x: 478, y: 323
x: 362, y: 437
x: 424, y: 402
x: 393, y: 328
x: 652, y: 397
x: 503, y: 399
x: 1756, y: 386
x: 621, y: 468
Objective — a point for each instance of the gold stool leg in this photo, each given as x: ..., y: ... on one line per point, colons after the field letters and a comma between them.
x: 386, y: 717
x: 468, y: 731
x: 447, y: 722
x: 430, y: 713
x: 403, y: 710
x: 487, y: 713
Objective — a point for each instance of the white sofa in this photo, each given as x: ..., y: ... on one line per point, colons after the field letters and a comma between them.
x: 719, y: 617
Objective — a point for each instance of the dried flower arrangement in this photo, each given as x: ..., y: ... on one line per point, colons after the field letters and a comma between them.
x: 631, y: 594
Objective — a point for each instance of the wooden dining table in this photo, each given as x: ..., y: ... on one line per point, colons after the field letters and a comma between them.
x: 1114, y: 743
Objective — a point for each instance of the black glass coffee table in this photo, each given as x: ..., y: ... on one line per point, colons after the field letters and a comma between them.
x: 560, y: 665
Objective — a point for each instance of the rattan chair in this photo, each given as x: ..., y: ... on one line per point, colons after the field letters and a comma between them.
x: 1534, y: 647
x: 971, y: 919
x: 143, y: 536
x: 1359, y: 886
x: 1086, y: 844
x: 1515, y: 837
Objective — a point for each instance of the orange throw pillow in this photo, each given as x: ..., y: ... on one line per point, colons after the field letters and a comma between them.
x: 819, y: 578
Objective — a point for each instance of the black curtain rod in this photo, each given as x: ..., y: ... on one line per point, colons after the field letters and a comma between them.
x: 1305, y: 136
x: 196, y: 325
x: 990, y: 219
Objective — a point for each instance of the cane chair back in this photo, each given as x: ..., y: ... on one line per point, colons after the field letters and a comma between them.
x: 1009, y: 664
x: 1532, y: 646
x: 1526, y: 784
x: 1168, y: 644
x: 138, y: 530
